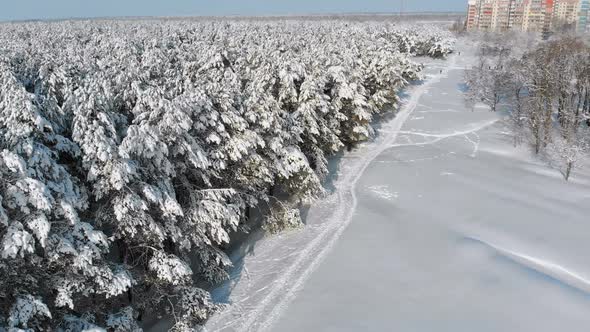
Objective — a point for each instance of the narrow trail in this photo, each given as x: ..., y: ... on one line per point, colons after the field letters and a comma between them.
x: 262, y: 315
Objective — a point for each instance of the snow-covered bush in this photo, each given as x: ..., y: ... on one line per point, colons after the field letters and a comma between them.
x: 131, y: 151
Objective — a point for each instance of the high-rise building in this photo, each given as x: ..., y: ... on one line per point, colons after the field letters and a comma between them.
x: 516, y: 14
x: 584, y: 16
x: 529, y: 15
x: 486, y: 14
x: 472, y: 15
x: 501, y: 14
x: 549, y: 10
x: 566, y: 12
x: 534, y: 15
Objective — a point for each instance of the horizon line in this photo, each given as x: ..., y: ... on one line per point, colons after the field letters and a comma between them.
x: 234, y: 16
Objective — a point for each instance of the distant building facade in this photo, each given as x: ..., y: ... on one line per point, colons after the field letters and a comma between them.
x: 528, y: 15
x: 584, y: 18
x: 472, y: 21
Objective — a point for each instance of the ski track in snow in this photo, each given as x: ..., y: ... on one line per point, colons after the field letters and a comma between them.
x: 383, y: 192
x: 440, y: 137
x: 545, y: 267
x: 475, y: 128
x: 439, y: 111
x: 290, y: 282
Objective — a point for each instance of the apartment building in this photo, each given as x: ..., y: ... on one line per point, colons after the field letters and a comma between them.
x: 549, y: 13
x: 516, y: 14
x: 486, y: 11
x: 566, y: 12
x: 529, y: 15
x: 584, y: 16
x: 534, y: 15
x: 472, y: 15
x: 501, y: 14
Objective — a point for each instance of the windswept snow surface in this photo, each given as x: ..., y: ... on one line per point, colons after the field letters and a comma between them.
x: 440, y: 224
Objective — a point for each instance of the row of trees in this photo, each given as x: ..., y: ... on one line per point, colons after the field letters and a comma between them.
x: 546, y: 88
x: 131, y: 151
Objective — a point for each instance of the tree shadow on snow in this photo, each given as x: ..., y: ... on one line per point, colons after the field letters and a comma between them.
x: 220, y: 293
x: 463, y: 87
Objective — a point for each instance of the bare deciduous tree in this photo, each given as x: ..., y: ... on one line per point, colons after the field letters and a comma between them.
x: 546, y: 89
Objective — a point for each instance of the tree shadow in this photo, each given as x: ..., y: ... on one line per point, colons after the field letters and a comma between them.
x: 463, y: 87
x: 334, y: 163
x: 246, y: 246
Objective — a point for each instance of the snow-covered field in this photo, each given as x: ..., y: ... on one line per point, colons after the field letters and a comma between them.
x: 439, y: 224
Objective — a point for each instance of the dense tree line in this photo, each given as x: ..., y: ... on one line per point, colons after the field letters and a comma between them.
x: 130, y: 151
x: 545, y: 86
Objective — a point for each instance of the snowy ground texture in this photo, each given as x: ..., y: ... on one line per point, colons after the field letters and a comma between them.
x: 440, y: 224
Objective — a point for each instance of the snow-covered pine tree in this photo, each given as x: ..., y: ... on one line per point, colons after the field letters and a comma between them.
x: 132, y: 151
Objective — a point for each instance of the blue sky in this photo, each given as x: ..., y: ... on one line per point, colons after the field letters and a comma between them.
x: 49, y: 9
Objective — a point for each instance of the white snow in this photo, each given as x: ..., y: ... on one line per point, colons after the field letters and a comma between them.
x: 383, y: 192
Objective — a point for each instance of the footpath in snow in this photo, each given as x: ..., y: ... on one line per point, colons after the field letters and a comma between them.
x: 440, y: 224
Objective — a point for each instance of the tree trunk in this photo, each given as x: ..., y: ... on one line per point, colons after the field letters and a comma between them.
x: 548, y: 121
x: 579, y: 109
x: 568, y: 170
x: 494, y: 102
x: 561, y: 117
x: 587, y: 104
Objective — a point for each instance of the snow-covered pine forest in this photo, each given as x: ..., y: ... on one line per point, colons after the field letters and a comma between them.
x: 132, y: 151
